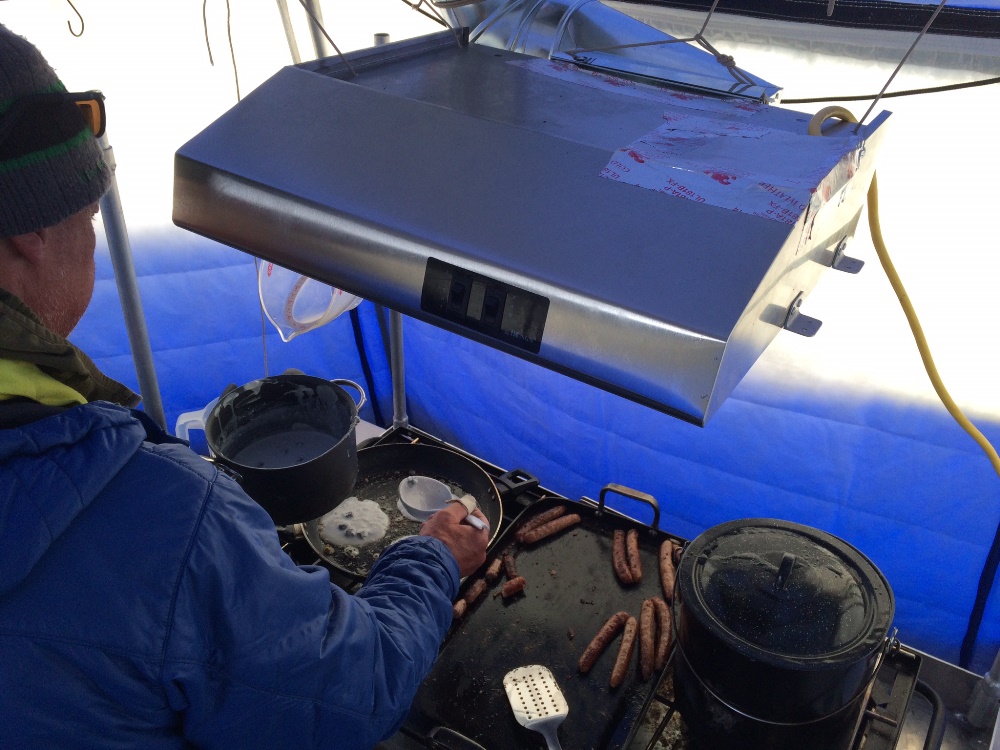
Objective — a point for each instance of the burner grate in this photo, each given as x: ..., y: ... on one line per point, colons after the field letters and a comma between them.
x: 664, y: 729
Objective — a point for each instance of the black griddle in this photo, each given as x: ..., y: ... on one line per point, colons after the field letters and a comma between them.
x: 571, y: 591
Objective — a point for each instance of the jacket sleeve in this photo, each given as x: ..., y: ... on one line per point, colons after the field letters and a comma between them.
x: 263, y: 653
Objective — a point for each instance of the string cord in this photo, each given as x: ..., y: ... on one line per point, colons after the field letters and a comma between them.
x: 236, y: 77
x: 78, y: 15
x: 435, y: 16
x: 727, y: 61
x: 204, y: 25
x: 908, y: 92
x: 232, y: 51
x: 229, y: 36
x: 901, y: 63
x: 328, y: 37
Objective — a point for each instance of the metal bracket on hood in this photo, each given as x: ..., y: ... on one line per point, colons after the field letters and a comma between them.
x: 798, y: 323
x: 843, y: 262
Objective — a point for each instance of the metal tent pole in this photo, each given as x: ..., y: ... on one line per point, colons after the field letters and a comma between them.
x: 286, y: 22
x: 320, y: 42
x: 397, y: 363
x: 985, y: 699
x: 398, y: 368
x: 128, y: 293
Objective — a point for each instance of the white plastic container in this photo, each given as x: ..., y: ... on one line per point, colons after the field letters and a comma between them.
x: 193, y: 420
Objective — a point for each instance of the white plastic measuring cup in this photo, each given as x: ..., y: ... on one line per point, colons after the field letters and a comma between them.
x: 295, y: 303
x: 421, y: 497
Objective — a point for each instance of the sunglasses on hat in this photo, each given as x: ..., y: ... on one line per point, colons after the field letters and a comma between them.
x: 52, y: 109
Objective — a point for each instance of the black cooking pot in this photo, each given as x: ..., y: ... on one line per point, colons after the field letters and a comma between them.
x: 290, y: 441
x: 780, y: 630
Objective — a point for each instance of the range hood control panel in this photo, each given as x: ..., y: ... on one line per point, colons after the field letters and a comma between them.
x: 490, y: 307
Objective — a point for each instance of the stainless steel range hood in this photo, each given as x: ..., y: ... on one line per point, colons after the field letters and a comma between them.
x: 460, y: 185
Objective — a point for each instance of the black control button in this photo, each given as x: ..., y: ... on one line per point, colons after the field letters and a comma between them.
x: 491, y: 308
x: 484, y: 308
x: 456, y: 297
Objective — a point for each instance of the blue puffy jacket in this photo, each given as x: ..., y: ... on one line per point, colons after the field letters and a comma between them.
x: 145, y: 603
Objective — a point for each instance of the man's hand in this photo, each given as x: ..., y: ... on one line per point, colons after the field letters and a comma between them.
x: 466, y: 542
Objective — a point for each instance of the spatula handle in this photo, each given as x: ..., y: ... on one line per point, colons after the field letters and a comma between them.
x: 551, y: 736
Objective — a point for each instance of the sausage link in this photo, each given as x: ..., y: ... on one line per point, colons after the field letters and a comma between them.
x: 513, y: 586
x: 624, y: 653
x: 667, y: 571
x: 540, y: 520
x: 678, y: 552
x: 493, y: 572
x: 550, y: 528
x: 618, y: 558
x: 604, y: 636
x: 647, y: 638
x: 475, y: 590
x: 458, y: 609
x: 666, y: 632
x: 632, y: 555
x: 508, y: 566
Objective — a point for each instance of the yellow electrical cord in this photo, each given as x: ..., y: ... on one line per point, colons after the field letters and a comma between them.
x: 815, y: 128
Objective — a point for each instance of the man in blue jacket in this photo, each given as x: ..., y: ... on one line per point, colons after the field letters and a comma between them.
x: 145, y: 601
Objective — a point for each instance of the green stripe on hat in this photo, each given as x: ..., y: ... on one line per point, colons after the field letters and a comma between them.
x: 52, y: 152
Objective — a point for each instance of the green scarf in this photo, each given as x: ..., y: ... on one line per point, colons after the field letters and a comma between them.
x: 38, y: 356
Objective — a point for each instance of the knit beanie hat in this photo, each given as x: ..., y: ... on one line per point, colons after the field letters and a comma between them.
x: 50, y: 168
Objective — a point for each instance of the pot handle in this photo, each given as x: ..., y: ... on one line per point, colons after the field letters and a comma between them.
x: 514, y: 482
x: 620, y: 489
x: 224, y: 469
x: 355, y: 386
x: 193, y: 420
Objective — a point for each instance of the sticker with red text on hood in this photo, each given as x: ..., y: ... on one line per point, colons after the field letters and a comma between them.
x: 735, y: 165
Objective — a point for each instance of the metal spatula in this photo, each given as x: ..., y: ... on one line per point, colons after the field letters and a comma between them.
x: 537, y: 701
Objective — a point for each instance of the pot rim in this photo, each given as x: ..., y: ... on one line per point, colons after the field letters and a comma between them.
x: 266, y: 469
x: 293, y: 378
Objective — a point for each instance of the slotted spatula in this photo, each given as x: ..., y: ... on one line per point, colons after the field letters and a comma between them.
x: 537, y: 701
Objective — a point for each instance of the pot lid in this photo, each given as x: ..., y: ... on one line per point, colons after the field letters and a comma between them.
x: 783, y: 589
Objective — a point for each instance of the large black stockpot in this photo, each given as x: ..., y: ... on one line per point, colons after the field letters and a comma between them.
x: 290, y: 440
x: 780, y: 630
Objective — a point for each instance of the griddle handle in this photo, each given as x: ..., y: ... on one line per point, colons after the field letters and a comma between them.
x: 442, y: 738
x: 620, y: 489
x: 514, y: 482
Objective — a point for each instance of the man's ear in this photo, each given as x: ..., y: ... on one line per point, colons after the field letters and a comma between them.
x: 30, y: 246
